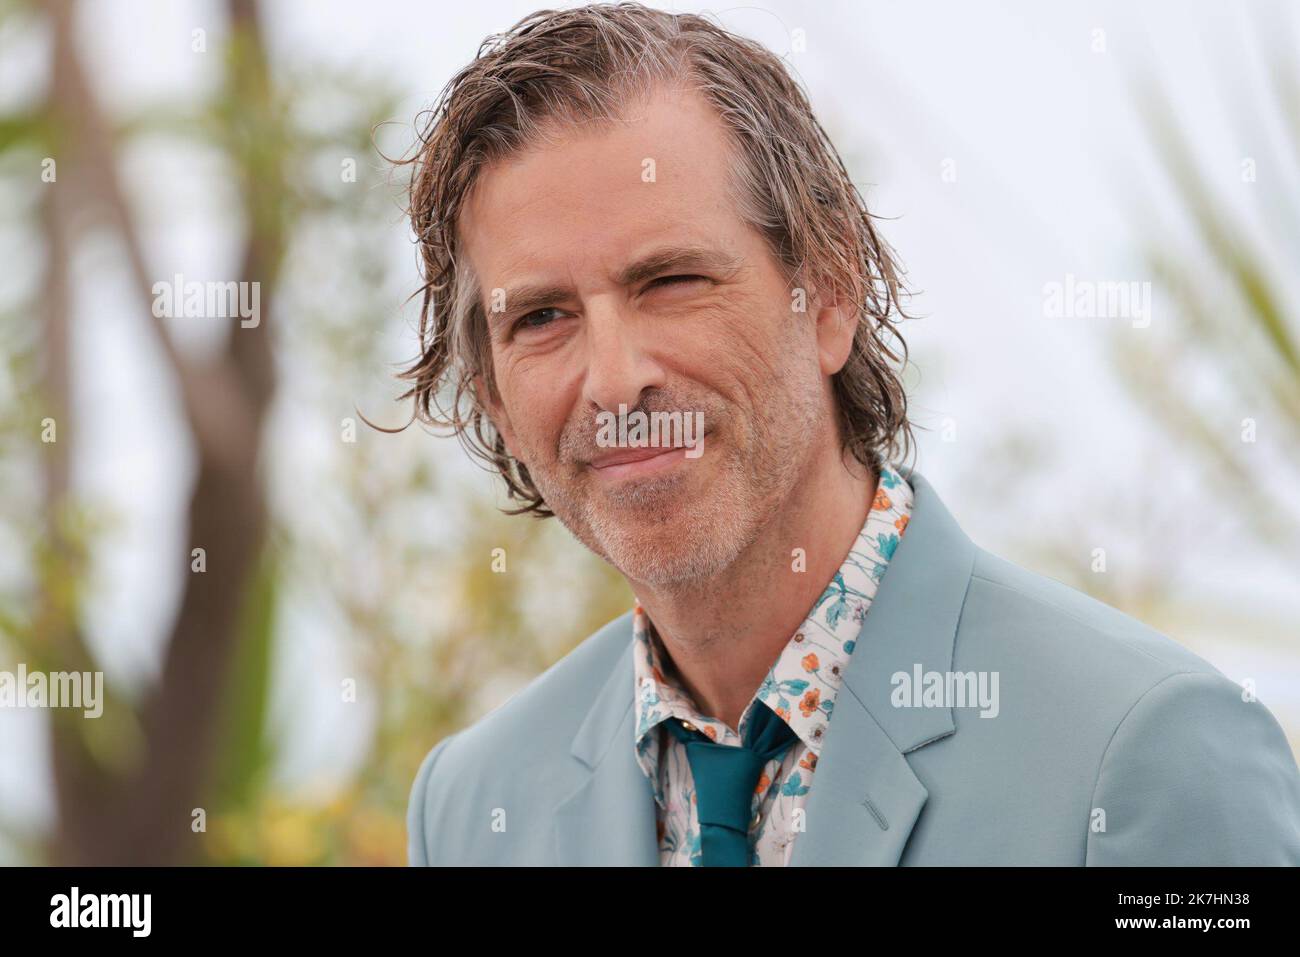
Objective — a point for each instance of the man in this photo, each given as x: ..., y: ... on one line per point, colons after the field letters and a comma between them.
x: 624, y: 213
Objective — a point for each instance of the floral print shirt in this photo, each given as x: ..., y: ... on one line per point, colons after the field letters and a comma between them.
x: 800, y: 687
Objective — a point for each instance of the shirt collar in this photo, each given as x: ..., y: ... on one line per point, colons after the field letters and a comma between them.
x: 802, y: 684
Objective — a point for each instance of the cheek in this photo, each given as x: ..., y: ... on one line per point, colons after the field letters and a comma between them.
x: 753, y: 343
x: 538, y: 412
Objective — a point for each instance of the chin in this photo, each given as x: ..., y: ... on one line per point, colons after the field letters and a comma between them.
x: 667, y: 567
x: 672, y: 546
x: 664, y: 530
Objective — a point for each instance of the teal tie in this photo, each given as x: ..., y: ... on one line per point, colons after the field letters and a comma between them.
x: 725, y: 778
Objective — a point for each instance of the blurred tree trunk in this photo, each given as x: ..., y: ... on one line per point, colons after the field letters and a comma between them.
x: 141, y: 814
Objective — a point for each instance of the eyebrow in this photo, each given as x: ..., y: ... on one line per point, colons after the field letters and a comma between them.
x: 523, y: 299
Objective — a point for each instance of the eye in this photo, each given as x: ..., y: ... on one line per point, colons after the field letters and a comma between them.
x: 536, y: 319
x: 676, y: 280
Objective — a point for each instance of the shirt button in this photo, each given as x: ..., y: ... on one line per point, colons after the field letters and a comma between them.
x: 688, y: 726
x: 754, y: 823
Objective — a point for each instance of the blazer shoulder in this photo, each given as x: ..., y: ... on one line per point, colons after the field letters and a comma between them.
x: 552, y: 702
x: 1198, y: 772
x: 1029, y: 607
x: 550, y: 705
x: 419, y: 806
x: 1191, y: 767
x: 534, y: 726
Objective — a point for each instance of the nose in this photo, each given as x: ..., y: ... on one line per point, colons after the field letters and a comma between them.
x: 619, y: 368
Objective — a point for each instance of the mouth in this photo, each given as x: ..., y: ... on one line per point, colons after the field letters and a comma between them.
x: 634, y: 463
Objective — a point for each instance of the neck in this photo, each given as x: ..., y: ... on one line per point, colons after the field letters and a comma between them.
x: 723, y: 634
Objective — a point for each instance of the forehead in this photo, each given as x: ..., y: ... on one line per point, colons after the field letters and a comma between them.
x: 595, y: 193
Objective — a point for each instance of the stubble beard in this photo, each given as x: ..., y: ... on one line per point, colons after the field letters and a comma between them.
x: 675, y: 534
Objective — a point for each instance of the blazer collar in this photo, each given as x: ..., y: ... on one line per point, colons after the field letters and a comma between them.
x: 865, y: 798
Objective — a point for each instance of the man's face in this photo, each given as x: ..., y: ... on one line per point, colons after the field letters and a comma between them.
x: 615, y: 270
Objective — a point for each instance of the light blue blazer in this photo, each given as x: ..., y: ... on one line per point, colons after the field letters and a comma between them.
x: 1111, y: 744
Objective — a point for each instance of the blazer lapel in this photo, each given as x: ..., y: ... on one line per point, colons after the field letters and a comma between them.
x: 610, y: 818
x: 865, y: 798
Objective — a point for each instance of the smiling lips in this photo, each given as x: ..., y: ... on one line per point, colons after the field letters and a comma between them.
x: 623, y: 463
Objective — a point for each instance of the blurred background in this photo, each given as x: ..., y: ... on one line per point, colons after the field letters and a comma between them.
x: 343, y: 614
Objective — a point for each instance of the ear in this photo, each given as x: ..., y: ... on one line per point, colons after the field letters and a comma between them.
x: 496, y: 413
x: 837, y: 324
